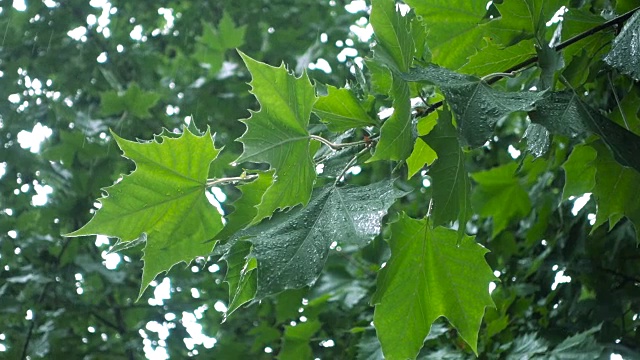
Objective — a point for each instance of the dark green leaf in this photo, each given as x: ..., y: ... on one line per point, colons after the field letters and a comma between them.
x: 625, y: 53
x: 292, y: 248
x: 477, y: 105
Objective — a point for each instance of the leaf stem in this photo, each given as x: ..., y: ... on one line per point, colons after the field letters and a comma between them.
x: 498, y: 75
x: 335, y: 146
x: 230, y: 180
x: 350, y: 163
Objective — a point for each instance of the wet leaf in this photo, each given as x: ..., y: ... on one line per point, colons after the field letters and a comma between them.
x: 537, y: 138
x: 493, y: 58
x: 241, y: 276
x: 291, y: 248
x: 477, y: 105
x: 625, y: 53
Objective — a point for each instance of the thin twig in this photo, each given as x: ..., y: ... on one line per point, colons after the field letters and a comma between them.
x: 522, y: 65
x: 350, y: 163
x: 498, y: 75
x: 335, y: 146
x: 230, y: 180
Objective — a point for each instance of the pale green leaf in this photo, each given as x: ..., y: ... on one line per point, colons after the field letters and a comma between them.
x: 493, y: 58
x: 164, y: 199
x: 625, y: 53
x: 277, y: 134
x: 292, y: 248
x: 341, y: 110
x: 245, y: 206
x: 396, y: 134
x: 579, y: 172
x: 454, y: 30
x: 393, y: 34
x: 450, y: 181
x: 500, y: 196
x: 477, y: 106
x: 428, y: 276
x: 422, y: 155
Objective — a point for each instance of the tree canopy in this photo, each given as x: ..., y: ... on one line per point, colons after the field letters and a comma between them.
x: 320, y: 179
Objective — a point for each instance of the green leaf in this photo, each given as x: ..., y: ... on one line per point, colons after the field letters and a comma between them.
x: 369, y: 347
x: 493, y: 58
x: 245, y: 206
x: 523, y: 19
x: 500, y: 196
x: 625, y: 53
x: 450, y: 180
x: 626, y: 114
x: 477, y: 105
x: 396, y: 134
x: 163, y: 198
x: 341, y: 110
x: 616, y: 191
x: 296, y: 340
x: 537, y: 138
x: 454, y: 30
x: 579, y: 171
x: 422, y: 155
x: 526, y: 346
x: 241, y: 276
x: 292, y: 248
x: 133, y: 101
x: 214, y: 42
x: 381, y: 79
x: 393, y: 34
x: 428, y: 276
x: 564, y: 113
x: 578, y: 347
x: 278, y: 135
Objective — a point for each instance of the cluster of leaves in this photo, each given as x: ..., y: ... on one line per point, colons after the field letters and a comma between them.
x: 304, y: 226
x: 271, y: 249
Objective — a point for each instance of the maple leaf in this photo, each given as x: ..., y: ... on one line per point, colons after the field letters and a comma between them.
x: 454, y: 30
x: 450, y: 179
x: 163, y: 200
x: 500, y: 196
x: 134, y: 101
x: 292, y: 248
x: 477, y: 106
x: 429, y: 276
x: 278, y: 135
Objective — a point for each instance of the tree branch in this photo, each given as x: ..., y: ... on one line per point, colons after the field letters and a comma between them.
x: 620, y: 19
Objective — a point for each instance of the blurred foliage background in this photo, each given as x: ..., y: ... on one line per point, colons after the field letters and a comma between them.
x: 71, y: 70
